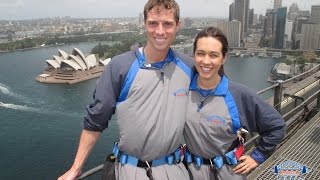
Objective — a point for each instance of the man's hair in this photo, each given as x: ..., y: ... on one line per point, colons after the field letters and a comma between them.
x: 217, y: 34
x: 166, y: 4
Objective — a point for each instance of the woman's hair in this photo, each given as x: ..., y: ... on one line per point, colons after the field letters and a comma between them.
x: 217, y: 34
x: 166, y: 4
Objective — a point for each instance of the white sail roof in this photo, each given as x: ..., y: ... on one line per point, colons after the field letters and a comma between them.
x: 78, y: 60
x: 63, y: 54
x: 53, y: 63
x: 71, y: 63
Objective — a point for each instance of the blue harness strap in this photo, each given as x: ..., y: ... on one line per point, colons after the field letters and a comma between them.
x: 217, y: 161
x: 127, y: 159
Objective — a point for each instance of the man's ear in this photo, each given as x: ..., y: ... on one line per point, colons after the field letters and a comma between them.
x: 179, y: 25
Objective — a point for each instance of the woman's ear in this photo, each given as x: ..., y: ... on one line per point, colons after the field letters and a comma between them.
x: 224, y: 59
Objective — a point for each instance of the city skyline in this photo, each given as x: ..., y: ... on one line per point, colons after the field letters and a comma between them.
x: 37, y: 9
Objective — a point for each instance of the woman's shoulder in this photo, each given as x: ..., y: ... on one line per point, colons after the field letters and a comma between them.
x: 241, y: 91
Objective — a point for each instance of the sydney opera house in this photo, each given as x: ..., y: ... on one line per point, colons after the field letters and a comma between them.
x: 72, y: 68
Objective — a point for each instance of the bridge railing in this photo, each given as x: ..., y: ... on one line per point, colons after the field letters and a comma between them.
x: 291, y: 116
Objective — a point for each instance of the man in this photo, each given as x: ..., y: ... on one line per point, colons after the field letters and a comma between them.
x: 147, y: 89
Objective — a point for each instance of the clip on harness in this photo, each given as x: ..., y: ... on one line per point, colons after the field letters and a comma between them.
x: 124, y: 158
x: 234, y: 152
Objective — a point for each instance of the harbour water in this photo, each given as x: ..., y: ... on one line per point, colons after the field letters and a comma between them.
x: 40, y: 123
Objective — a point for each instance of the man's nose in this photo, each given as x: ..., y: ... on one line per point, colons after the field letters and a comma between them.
x: 160, y: 29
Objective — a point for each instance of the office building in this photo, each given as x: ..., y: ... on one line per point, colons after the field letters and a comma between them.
x: 241, y: 14
x: 280, y: 27
x: 288, y: 34
x: 310, y: 37
x: 293, y: 11
x: 251, y: 12
x: 232, y: 30
x: 297, y: 28
x: 315, y: 14
x: 277, y: 4
x: 231, y: 12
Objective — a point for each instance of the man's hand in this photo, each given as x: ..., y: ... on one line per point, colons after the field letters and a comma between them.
x: 247, y: 164
x: 70, y: 175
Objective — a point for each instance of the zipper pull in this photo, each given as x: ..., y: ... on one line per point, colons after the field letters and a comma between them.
x: 201, y: 104
x: 162, y: 76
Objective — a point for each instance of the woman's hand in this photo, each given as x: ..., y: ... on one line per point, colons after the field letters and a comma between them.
x: 247, y: 164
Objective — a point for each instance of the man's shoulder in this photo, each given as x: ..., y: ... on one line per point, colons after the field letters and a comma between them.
x: 124, y: 57
x: 121, y: 63
x: 184, y: 58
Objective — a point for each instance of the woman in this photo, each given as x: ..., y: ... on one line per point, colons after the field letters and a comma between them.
x: 220, y: 112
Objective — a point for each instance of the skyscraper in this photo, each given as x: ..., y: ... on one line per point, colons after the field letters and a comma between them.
x: 280, y: 27
x: 231, y: 12
x: 277, y: 4
x: 297, y: 29
x: 315, y: 14
x: 241, y: 14
x: 288, y: 34
x: 310, y: 37
x: 270, y: 23
x: 293, y: 11
x: 232, y: 30
x: 251, y: 12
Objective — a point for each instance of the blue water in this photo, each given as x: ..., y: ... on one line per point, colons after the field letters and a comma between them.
x: 41, y: 123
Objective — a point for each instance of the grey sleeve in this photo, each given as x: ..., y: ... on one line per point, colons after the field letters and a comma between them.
x: 258, y: 116
x: 106, y: 93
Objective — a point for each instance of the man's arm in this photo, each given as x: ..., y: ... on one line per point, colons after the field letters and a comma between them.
x: 87, y: 141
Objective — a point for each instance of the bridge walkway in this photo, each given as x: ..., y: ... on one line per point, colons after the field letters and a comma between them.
x: 303, y: 147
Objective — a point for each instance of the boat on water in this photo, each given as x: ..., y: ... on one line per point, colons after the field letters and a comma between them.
x: 262, y: 55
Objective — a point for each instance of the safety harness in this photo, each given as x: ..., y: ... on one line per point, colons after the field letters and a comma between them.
x: 170, y: 159
x: 234, y: 152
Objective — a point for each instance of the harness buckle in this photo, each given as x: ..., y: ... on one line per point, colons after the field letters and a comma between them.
x: 198, y: 161
x: 123, y: 158
x: 148, y: 170
x: 211, y: 164
x: 169, y: 159
x: 241, y: 134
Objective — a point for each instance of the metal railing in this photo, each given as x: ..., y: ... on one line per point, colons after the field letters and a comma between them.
x: 277, y: 97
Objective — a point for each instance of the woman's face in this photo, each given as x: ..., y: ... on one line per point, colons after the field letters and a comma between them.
x: 208, y: 57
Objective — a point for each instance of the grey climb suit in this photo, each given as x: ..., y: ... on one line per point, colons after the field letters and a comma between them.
x: 212, y: 122
x: 150, y: 106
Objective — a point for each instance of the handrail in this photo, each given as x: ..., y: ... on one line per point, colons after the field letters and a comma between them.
x: 299, y: 75
x: 90, y: 172
x: 268, y: 88
x: 289, y: 122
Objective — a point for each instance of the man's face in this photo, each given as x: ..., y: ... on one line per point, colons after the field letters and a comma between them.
x: 161, y: 28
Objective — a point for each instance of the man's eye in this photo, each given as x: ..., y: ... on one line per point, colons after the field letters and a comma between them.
x: 168, y: 24
x: 152, y: 23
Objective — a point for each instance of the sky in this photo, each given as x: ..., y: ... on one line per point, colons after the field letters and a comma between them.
x: 35, y: 9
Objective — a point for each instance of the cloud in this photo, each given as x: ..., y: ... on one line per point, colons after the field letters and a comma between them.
x: 11, y: 4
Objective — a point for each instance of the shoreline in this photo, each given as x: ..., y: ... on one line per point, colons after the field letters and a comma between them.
x: 47, y: 46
